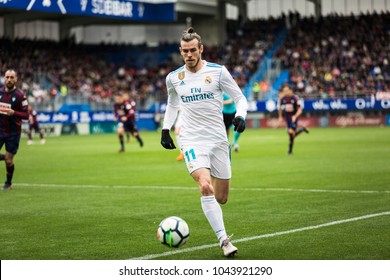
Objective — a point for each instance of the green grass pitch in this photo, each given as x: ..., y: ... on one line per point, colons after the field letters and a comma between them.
x: 77, y: 198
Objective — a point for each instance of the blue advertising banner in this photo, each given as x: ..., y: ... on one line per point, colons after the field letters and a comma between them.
x: 388, y: 120
x: 331, y: 105
x: 120, y: 9
x: 76, y: 117
x: 145, y: 120
x: 316, y: 105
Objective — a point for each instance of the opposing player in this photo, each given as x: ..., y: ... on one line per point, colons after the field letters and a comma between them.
x: 126, y: 98
x: 33, y: 124
x: 229, y: 112
x: 197, y: 88
x: 124, y: 111
x: 290, y: 108
x: 13, y: 108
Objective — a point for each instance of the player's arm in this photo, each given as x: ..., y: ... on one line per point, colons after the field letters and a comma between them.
x: 128, y: 113
x: 227, y: 101
x: 116, y: 115
x: 172, y: 106
x: 32, y: 117
x: 298, y: 113
x: 22, y: 109
x: 280, y: 111
x: 229, y: 85
x: 170, y: 115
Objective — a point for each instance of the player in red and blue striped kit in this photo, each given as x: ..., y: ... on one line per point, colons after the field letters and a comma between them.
x: 124, y: 111
x: 33, y: 124
x: 13, y: 108
x: 291, y: 109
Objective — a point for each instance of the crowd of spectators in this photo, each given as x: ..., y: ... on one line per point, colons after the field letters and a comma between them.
x: 324, y: 56
x: 247, y: 44
x: 338, y: 56
x: 53, y: 72
x: 63, y: 71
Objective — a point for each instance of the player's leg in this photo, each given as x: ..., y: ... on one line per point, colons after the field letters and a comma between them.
x: 29, y: 135
x: 220, y: 171
x: 2, y: 156
x: 210, y: 206
x: 134, y: 131
x: 41, y: 136
x: 120, y: 131
x: 11, y: 147
x: 180, y: 157
x: 10, y: 168
x: 291, y: 127
x: 198, y: 162
x: 291, y: 135
x: 300, y: 130
x: 228, y: 121
x: 127, y: 135
x: 235, y: 141
x: 221, y: 190
x: 138, y: 137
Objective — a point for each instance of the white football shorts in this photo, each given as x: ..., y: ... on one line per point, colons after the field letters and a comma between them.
x: 214, y: 156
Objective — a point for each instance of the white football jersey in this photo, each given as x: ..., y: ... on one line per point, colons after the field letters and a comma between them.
x: 199, y: 95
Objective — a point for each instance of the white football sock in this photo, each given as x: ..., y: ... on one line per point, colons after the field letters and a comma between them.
x: 213, y: 213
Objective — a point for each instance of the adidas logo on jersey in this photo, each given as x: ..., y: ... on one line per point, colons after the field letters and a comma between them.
x: 182, y: 83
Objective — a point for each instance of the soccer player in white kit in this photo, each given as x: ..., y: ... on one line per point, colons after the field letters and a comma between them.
x: 197, y: 88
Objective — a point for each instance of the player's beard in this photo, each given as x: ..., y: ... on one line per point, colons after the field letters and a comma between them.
x: 10, y: 86
x: 191, y: 65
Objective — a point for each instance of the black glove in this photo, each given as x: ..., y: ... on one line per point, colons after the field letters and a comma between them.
x: 166, y: 140
x: 239, y: 124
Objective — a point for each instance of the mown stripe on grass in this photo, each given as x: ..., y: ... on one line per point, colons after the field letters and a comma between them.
x: 194, y: 188
x: 246, y: 239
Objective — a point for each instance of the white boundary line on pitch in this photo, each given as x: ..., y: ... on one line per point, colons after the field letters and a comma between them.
x: 192, y: 249
x: 194, y: 188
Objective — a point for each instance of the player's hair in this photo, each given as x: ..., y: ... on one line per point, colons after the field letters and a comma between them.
x: 189, y: 35
x: 11, y: 69
x: 283, y: 86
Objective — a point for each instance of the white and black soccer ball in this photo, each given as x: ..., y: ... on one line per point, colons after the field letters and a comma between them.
x: 173, y: 232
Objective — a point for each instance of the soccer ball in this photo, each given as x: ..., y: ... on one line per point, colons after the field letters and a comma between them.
x: 173, y: 232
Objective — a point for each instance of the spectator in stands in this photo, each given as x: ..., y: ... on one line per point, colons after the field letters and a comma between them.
x: 325, y: 59
x: 321, y: 57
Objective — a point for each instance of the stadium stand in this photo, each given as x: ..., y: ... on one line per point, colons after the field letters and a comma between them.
x: 338, y: 56
x: 319, y: 57
x: 58, y: 72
